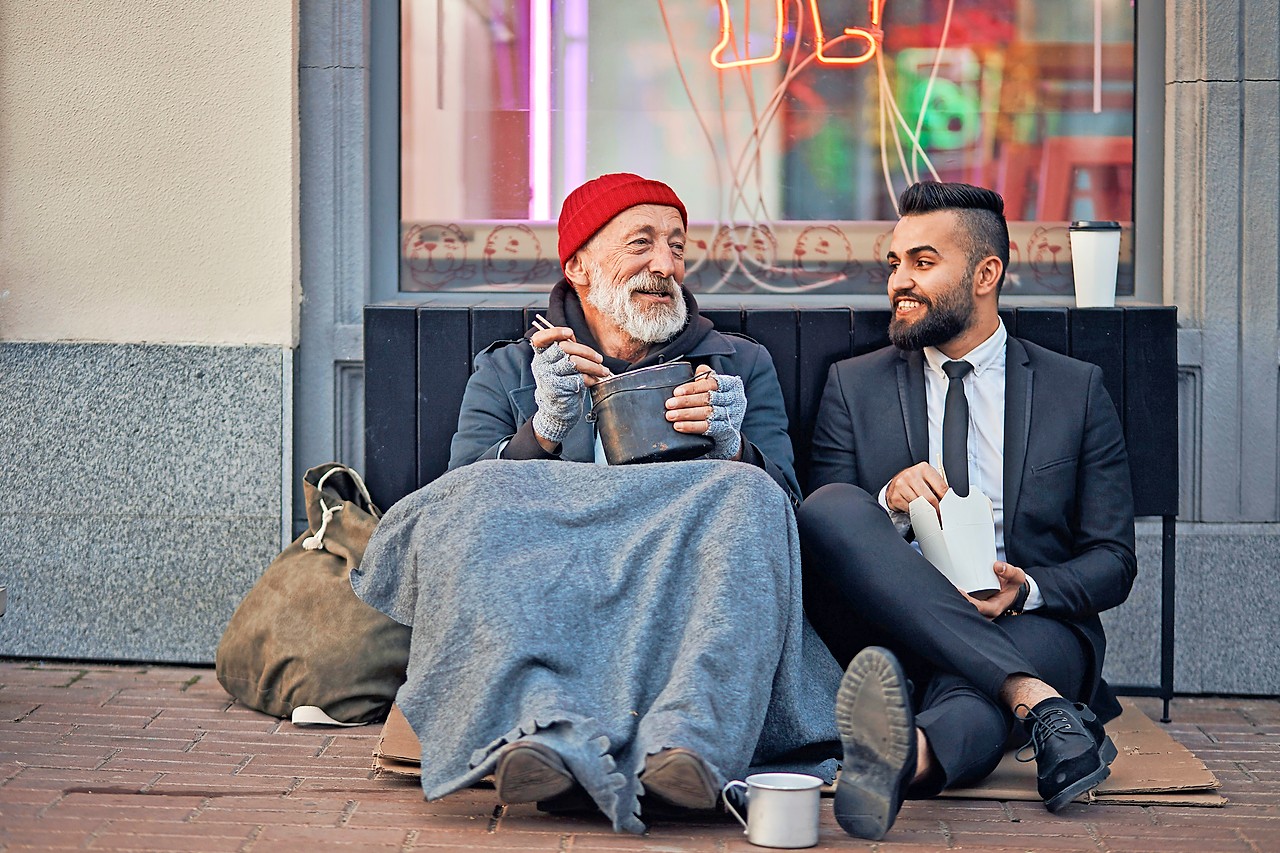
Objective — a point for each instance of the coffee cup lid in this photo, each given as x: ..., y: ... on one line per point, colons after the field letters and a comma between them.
x: 1095, y: 225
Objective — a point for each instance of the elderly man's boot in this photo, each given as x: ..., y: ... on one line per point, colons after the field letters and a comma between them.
x: 681, y: 778
x: 529, y: 771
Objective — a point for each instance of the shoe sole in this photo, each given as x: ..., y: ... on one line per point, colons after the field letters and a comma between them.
x: 681, y: 779
x: 1107, y: 754
x: 530, y: 772
x: 877, y: 729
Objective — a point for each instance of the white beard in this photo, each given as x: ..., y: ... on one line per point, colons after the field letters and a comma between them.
x: 649, y: 325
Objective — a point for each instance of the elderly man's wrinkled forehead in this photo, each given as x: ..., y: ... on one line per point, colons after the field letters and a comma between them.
x: 655, y: 221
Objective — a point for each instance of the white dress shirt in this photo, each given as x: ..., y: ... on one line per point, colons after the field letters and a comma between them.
x: 984, y: 388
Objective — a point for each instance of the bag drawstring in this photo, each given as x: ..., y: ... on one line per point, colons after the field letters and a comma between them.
x: 316, y: 542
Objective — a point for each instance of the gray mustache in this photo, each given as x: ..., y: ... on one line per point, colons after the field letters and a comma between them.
x: 651, y: 283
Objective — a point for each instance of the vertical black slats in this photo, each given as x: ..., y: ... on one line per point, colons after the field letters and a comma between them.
x: 1047, y: 327
x: 776, y: 330
x: 444, y: 365
x: 494, y: 324
x: 1010, y: 318
x: 825, y: 338
x: 725, y: 319
x: 528, y: 314
x: 870, y: 330
x: 390, y: 402
x: 418, y: 360
x: 1151, y: 407
x: 1097, y: 336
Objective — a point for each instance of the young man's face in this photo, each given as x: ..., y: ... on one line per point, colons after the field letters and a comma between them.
x: 930, y: 281
x: 636, y: 266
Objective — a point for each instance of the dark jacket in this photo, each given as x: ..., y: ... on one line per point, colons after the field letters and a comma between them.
x: 1068, y: 504
x: 498, y: 404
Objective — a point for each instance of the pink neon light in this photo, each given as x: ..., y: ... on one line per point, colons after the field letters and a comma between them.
x: 540, y: 111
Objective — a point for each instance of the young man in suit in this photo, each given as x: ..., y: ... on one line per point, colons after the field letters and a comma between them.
x: 939, y: 680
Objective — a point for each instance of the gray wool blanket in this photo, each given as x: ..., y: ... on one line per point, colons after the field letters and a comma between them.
x: 609, y: 613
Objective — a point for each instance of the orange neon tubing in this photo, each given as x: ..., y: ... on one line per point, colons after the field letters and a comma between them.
x: 726, y: 33
x: 871, y: 36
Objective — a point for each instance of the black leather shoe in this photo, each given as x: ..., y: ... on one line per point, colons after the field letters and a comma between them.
x: 679, y: 777
x: 529, y: 771
x: 1071, y: 750
x: 878, y: 731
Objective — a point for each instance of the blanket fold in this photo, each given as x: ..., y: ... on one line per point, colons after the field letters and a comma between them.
x: 608, y: 612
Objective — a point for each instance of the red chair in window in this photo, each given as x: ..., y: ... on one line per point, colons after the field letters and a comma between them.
x: 1096, y: 169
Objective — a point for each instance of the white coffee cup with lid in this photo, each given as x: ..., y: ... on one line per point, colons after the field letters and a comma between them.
x: 1095, y: 257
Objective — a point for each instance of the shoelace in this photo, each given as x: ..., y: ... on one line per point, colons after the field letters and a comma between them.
x: 1052, y: 722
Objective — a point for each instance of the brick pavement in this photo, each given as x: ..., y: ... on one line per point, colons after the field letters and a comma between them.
x: 158, y: 758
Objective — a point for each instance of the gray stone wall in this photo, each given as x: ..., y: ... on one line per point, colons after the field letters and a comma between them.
x: 1222, y: 270
x: 1226, y: 640
x: 142, y: 494
x: 334, y: 234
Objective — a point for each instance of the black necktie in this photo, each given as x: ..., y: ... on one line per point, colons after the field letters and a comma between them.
x: 955, y: 428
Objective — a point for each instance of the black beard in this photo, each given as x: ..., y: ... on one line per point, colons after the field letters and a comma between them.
x: 942, y: 321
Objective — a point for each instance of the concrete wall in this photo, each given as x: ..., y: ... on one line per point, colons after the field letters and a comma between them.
x: 148, y: 171
x: 149, y: 290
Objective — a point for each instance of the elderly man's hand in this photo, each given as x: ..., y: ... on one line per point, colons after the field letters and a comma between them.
x: 711, y: 405
x: 562, y: 367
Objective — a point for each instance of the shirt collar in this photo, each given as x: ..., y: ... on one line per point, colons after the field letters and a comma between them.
x: 989, y: 353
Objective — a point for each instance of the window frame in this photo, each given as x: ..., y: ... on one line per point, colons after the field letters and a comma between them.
x: 384, y: 172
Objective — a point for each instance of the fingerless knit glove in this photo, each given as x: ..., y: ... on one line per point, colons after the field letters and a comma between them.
x: 728, y: 406
x: 558, y: 393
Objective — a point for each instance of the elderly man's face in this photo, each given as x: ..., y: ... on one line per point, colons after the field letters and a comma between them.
x: 636, y: 266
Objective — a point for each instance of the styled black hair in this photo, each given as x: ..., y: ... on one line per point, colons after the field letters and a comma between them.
x: 981, y: 214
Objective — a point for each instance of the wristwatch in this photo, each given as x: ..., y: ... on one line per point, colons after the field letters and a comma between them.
x: 1020, y: 601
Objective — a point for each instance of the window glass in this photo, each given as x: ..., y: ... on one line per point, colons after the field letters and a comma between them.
x: 788, y: 128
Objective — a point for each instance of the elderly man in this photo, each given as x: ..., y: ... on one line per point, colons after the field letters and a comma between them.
x: 1037, y: 434
x: 619, y: 307
x: 628, y: 637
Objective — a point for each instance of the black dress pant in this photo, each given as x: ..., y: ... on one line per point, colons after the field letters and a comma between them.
x: 864, y: 585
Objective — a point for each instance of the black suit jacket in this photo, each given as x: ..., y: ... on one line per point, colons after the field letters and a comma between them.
x: 1068, y: 504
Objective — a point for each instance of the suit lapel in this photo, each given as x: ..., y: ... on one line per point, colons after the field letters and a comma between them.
x: 1018, y: 378
x: 915, y: 414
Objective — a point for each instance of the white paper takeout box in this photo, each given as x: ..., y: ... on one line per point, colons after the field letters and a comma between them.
x: 963, y: 545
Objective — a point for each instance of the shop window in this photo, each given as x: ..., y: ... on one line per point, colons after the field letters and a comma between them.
x: 787, y: 127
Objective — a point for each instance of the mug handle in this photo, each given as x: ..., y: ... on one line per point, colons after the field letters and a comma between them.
x: 728, y: 803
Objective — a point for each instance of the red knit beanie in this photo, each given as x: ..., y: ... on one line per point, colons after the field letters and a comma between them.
x: 590, y: 207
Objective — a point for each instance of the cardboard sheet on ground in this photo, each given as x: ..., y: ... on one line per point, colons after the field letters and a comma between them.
x: 963, y: 544
x: 1151, y: 768
x: 398, y: 748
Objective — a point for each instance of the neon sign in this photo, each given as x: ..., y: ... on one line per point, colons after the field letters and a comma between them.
x: 726, y: 33
x: 872, y: 36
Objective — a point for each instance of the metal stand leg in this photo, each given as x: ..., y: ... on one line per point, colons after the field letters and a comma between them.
x: 1167, y: 571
